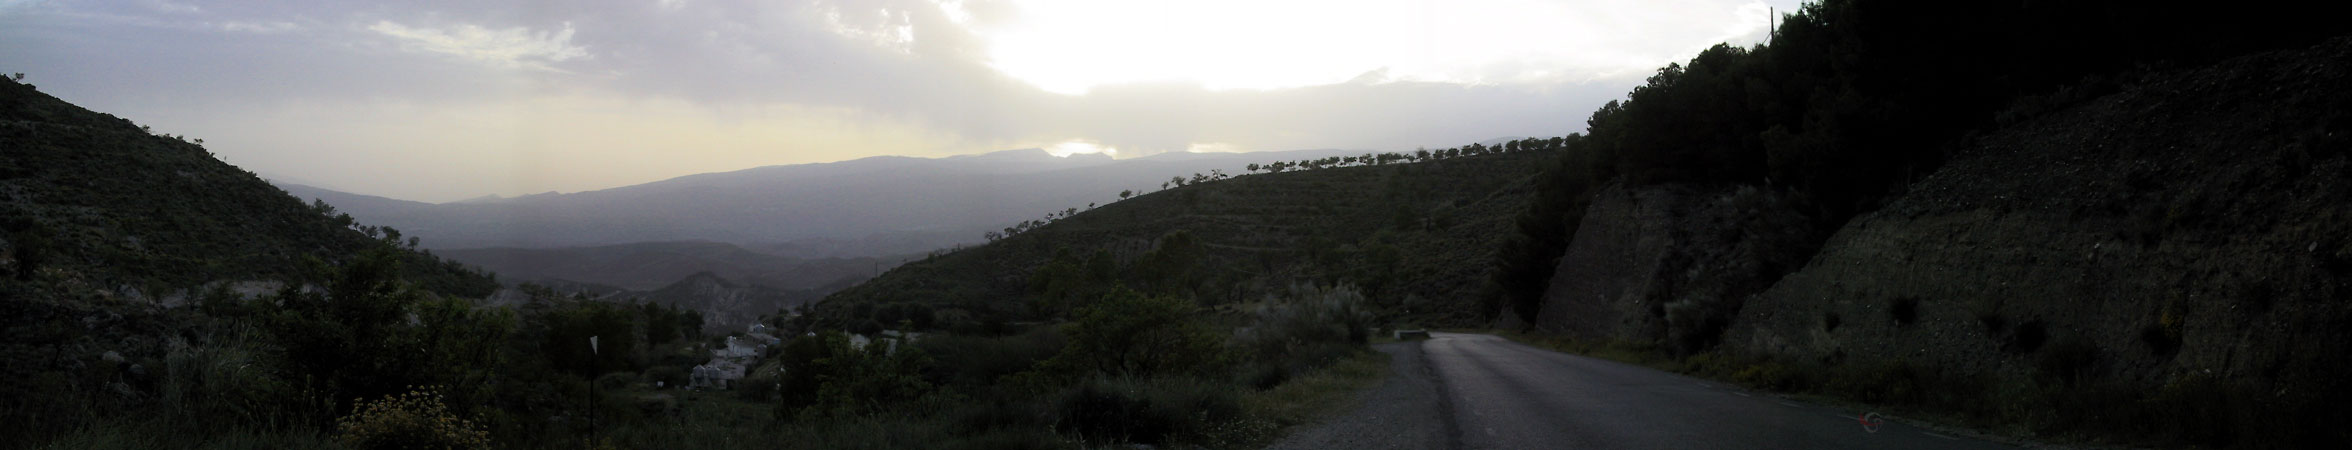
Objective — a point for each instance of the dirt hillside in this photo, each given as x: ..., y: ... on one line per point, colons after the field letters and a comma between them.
x: 2191, y: 228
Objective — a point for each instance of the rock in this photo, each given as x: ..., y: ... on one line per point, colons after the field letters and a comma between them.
x: 112, y: 357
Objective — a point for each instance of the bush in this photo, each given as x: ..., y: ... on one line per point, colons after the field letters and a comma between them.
x: 616, y: 381
x: 1309, y: 328
x: 224, y: 384
x: 1129, y: 334
x: 415, y: 420
x: 978, y: 361
x: 825, y: 374
x: 1154, y: 412
x: 669, y: 376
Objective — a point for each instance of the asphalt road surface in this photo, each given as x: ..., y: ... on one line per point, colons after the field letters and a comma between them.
x: 1474, y: 391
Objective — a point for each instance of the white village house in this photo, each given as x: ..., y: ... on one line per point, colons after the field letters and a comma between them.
x: 729, y: 363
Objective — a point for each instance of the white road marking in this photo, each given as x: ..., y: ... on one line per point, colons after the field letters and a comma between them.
x: 1939, y: 435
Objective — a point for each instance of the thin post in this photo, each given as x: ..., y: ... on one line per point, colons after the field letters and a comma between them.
x: 592, y: 353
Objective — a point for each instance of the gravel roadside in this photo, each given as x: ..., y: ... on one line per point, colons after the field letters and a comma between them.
x: 1404, y: 412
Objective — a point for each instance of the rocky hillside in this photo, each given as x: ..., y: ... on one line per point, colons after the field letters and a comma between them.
x: 1645, y: 257
x: 2156, y: 258
x: 2194, y: 226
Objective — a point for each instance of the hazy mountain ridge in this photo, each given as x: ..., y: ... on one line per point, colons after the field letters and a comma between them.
x: 917, y: 203
x: 651, y: 265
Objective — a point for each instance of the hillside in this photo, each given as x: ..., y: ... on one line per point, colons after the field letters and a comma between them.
x: 112, y: 239
x: 2188, y: 236
x: 97, y: 201
x: 2151, y: 256
x: 1412, y: 235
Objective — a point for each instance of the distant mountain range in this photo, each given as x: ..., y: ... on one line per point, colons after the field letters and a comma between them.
x: 887, y: 205
x: 740, y: 244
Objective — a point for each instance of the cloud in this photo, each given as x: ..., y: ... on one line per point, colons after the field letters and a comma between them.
x: 516, y: 47
x: 732, y: 83
x: 268, y: 27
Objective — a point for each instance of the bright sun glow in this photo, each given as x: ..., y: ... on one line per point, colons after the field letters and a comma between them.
x: 1073, y: 147
x: 1071, y: 46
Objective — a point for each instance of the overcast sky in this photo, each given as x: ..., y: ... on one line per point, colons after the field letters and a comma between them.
x: 444, y: 100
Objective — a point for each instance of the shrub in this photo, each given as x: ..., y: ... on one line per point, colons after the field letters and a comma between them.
x: 1154, y: 412
x: 1310, y: 327
x: 668, y: 376
x: 1129, y: 334
x: 825, y: 374
x: 981, y: 361
x: 415, y: 420
x: 616, y: 380
x: 224, y: 384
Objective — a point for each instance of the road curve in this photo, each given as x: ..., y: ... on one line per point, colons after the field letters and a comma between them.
x: 1510, y: 395
x: 1491, y: 393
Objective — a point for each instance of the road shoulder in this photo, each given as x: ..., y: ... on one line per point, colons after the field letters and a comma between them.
x: 1406, y: 411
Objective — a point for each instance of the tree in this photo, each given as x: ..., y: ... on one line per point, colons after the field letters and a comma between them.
x: 1253, y: 167
x: 370, y: 334
x: 1126, y: 333
x: 1123, y: 194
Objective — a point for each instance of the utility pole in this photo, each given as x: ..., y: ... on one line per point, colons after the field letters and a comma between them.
x: 1771, y: 24
x: 592, y: 392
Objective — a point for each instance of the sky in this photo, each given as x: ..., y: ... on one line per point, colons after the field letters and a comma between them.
x: 440, y: 100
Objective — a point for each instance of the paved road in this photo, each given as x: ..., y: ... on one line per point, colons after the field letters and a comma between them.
x: 1504, y: 395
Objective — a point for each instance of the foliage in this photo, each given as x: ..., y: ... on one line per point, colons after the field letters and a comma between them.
x: 370, y: 334
x: 1129, y: 334
x: 414, y: 420
x: 227, y: 383
x: 1156, y: 411
x: 827, y: 374
x: 1310, y: 326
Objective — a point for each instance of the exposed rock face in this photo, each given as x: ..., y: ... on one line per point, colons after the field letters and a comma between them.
x: 2195, y: 224
x: 1668, y: 264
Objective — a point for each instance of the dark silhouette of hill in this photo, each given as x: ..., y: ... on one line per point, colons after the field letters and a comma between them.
x: 91, y: 197
x: 1414, y: 236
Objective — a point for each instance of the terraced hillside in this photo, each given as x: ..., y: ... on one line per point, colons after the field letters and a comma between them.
x: 1414, y: 236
